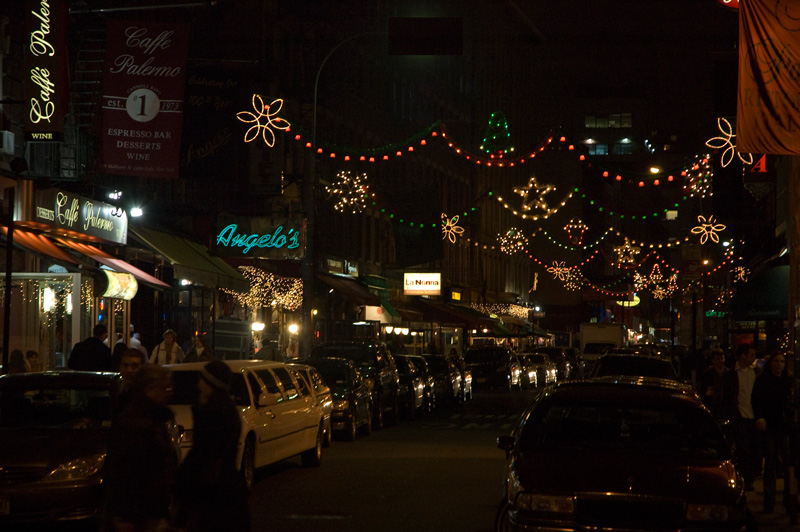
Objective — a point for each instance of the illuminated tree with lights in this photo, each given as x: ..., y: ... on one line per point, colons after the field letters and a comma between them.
x: 497, y: 139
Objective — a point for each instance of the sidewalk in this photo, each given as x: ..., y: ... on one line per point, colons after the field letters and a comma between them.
x: 779, y: 520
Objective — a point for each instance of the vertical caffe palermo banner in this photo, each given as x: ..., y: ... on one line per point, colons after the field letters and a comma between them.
x: 46, y: 89
x: 143, y: 86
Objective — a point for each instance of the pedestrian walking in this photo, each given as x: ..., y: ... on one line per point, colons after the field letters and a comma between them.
x: 740, y: 408
x: 168, y: 351
x: 142, y: 459
x: 211, y: 493
x: 92, y: 354
x: 772, y: 407
x: 200, y: 351
x: 714, y: 388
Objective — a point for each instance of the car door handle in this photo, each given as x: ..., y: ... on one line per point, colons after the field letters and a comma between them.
x: 271, y: 413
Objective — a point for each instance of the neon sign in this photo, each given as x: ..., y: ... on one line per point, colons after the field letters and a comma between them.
x: 261, y: 237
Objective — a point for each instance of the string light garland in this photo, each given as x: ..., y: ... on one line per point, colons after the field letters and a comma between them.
x: 268, y: 290
x: 707, y: 229
x: 726, y: 141
x: 350, y: 192
x: 512, y: 241
x: 267, y: 113
x: 699, y: 177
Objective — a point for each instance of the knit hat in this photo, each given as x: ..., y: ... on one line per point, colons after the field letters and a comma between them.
x: 217, y: 374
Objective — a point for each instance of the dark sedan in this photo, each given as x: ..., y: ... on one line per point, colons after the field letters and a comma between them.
x: 352, y: 397
x: 53, y: 435
x: 412, y: 386
x: 429, y: 381
x: 620, y: 454
x: 634, y: 365
x: 493, y: 367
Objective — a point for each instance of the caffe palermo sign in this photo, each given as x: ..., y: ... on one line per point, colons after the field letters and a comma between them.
x: 422, y: 284
x: 46, y: 69
x: 272, y: 238
x: 76, y: 214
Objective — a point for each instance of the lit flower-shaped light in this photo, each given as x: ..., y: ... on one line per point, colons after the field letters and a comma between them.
x: 559, y: 270
x: 726, y: 141
x: 266, y: 113
x: 349, y: 191
x: 513, y: 241
x: 450, y: 228
x: 708, y: 229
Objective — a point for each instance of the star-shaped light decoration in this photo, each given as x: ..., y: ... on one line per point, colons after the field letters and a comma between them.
x: 534, y: 189
x: 559, y: 270
x: 626, y: 253
x: 708, y: 229
x: 350, y: 192
x: 726, y: 141
x: 513, y: 241
x: 450, y: 228
x: 267, y: 113
x: 640, y: 282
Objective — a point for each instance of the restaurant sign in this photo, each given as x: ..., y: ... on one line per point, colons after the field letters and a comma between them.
x: 272, y: 238
x: 422, y: 284
x: 79, y: 215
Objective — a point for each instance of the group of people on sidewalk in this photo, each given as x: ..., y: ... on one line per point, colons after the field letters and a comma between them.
x: 756, y: 399
x: 147, y: 489
x: 94, y: 353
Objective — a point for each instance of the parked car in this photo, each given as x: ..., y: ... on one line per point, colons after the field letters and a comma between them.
x: 575, y: 358
x: 557, y: 355
x: 412, y: 386
x: 54, y: 429
x: 493, y: 367
x: 376, y: 363
x: 447, y: 378
x: 620, y: 454
x: 321, y: 393
x: 352, y: 397
x: 539, y: 369
x: 428, y: 380
x: 280, y: 417
x: 634, y: 365
x: 466, y: 375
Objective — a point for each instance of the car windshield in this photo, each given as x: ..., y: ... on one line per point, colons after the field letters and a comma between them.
x: 625, y: 428
x: 358, y: 354
x: 536, y: 359
x: 596, y: 348
x: 438, y: 365
x: 484, y: 357
x: 56, y: 407
x: 635, y: 366
x: 185, y: 388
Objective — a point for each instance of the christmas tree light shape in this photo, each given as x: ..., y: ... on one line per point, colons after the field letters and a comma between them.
x: 497, y: 139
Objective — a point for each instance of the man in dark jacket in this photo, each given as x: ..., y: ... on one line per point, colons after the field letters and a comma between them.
x: 92, y: 354
x: 142, y: 457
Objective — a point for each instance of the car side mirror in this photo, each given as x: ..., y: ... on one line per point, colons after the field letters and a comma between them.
x: 506, y: 443
x: 268, y: 399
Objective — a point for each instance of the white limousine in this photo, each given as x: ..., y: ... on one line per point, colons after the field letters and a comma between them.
x: 280, y: 418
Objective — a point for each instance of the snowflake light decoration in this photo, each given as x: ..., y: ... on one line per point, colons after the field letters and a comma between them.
x: 640, y: 282
x: 559, y: 270
x: 740, y: 274
x: 450, y: 228
x: 707, y: 229
x: 534, y: 188
x: 267, y: 113
x: 573, y: 280
x: 626, y: 253
x: 350, y: 192
x: 513, y: 241
x: 726, y: 141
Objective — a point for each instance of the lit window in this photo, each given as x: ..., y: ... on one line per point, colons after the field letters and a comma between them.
x: 625, y: 120
x: 590, y: 122
x: 598, y: 149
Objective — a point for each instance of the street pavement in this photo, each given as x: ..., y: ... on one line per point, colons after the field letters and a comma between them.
x: 779, y: 520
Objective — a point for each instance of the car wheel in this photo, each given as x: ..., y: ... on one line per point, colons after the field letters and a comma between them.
x: 366, y: 428
x: 328, y: 437
x: 247, y: 469
x: 501, y: 519
x: 313, y: 457
x: 352, y: 428
x: 377, y: 415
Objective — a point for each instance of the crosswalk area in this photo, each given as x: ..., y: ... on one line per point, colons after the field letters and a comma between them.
x: 469, y: 421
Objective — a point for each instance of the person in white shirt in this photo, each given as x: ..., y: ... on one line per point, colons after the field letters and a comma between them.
x: 168, y: 351
x: 742, y: 418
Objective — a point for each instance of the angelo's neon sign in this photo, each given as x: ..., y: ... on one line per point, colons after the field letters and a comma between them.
x: 229, y: 238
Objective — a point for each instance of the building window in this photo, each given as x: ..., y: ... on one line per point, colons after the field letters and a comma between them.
x: 590, y: 122
x: 622, y: 148
x: 626, y: 120
x: 598, y: 149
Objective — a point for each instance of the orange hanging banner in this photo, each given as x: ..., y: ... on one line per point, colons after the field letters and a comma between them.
x: 768, y: 108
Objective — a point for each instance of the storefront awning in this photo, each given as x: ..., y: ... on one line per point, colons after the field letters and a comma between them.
x: 350, y: 289
x: 389, y: 308
x: 191, y: 260
x: 114, y: 263
x: 40, y: 244
x: 445, y: 314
